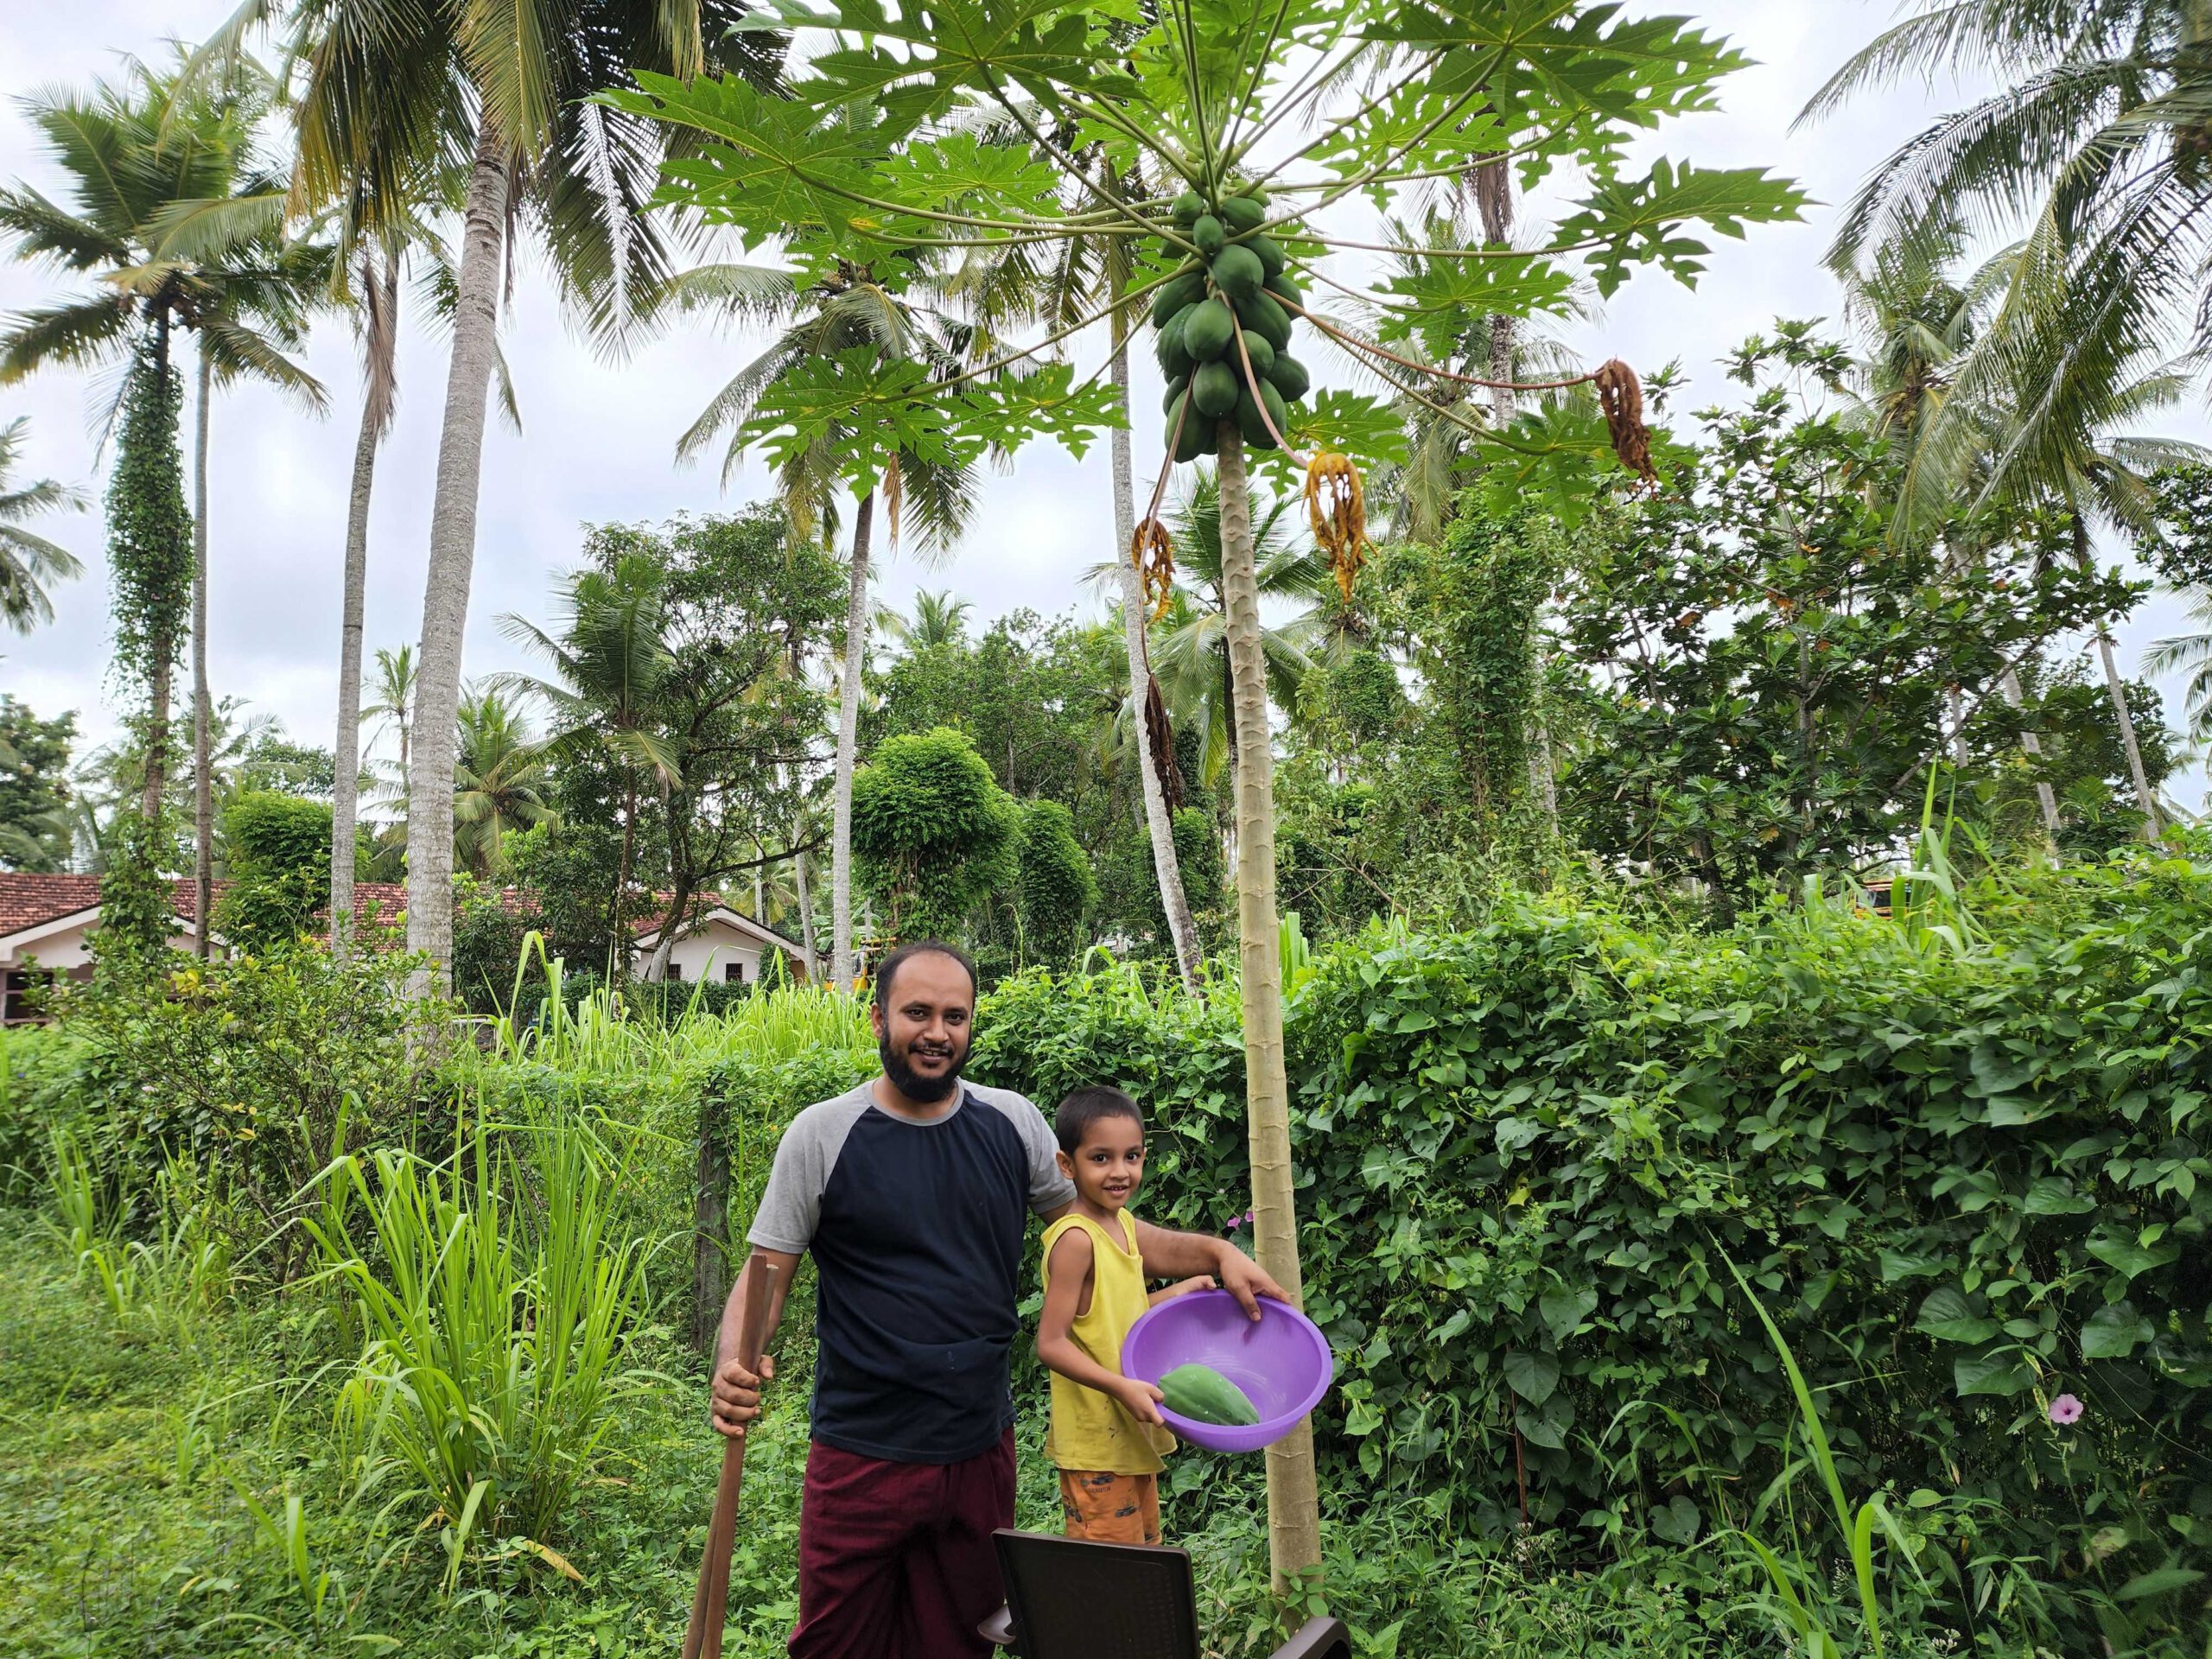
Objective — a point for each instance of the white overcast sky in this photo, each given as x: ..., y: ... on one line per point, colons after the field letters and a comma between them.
x: 598, y: 436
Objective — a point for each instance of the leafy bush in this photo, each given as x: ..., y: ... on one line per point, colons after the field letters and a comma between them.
x: 934, y: 831
x: 1966, y: 1183
x: 249, y: 1067
x: 41, y: 1090
x: 1059, y: 892
x: 278, y: 849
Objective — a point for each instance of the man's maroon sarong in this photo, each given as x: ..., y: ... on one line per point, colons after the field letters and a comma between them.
x: 895, y: 1560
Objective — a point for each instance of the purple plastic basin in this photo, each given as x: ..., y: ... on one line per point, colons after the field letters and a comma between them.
x: 1282, y: 1363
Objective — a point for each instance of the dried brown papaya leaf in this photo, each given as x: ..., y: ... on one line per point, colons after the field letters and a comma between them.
x: 1153, y: 552
x: 1162, y: 737
x: 1336, y: 508
x: 1620, y: 395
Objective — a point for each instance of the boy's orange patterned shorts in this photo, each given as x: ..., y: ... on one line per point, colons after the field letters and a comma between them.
x: 1111, y: 1509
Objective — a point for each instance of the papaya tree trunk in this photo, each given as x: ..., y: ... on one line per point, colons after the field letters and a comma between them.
x: 1293, y: 1502
x: 452, y: 560
x: 203, y: 791
x: 842, y: 966
x: 1159, y: 826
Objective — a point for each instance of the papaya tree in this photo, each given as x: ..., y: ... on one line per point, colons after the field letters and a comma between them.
x: 1278, y: 128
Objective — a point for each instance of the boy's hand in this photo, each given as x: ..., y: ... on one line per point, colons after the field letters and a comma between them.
x: 1142, y: 1400
x: 736, y: 1395
x: 1183, y: 1287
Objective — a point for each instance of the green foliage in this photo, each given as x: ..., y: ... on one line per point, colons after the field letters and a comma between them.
x: 1057, y: 892
x: 149, y: 527
x: 496, y: 1330
x: 935, y: 833
x: 166, y: 1070
x: 1765, y: 674
x: 35, y: 831
x: 1960, y: 1184
x: 1475, y: 599
x: 278, y: 848
x: 137, y: 905
x: 868, y: 161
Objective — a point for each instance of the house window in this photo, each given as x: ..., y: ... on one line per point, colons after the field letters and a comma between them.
x: 676, y: 972
x: 733, y: 973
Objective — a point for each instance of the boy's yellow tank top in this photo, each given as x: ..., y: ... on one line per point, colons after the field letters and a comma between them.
x: 1093, y: 1431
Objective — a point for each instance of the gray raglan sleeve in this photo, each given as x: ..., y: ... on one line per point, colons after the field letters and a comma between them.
x: 1049, y: 1190
x: 791, y: 1203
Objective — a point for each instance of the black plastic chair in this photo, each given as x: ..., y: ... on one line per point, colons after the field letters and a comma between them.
x: 1070, y: 1600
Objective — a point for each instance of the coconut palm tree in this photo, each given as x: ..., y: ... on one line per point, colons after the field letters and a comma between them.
x: 1007, y: 285
x: 497, y: 780
x: 176, y: 226
x: 385, y: 93
x: 395, y: 703
x: 1192, y: 652
x: 846, y: 309
x: 2098, y: 147
x: 29, y: 563
x: 611, y: 668
x: 939, y: 619
x: 374, y: 302
x: 171, y: 228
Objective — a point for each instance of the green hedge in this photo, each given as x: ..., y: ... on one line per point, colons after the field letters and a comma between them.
x: 1964, y: 1185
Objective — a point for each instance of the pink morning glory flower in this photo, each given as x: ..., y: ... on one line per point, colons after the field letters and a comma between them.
x: 2065, y: 1410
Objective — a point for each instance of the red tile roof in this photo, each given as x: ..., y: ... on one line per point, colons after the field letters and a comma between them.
x: 28, y: 900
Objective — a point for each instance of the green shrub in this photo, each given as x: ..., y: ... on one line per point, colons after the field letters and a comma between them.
x: 277, y: 847
x: 1966, y: 1184
x: 41, y: 1090
x: 248, y: 1066
x: 933, y: 831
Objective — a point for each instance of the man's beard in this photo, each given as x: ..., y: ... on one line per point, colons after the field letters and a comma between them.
x: 910, y: 1084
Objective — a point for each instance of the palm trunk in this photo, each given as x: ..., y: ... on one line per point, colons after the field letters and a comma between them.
x: 346, y: 786
x: 2146, y: 802
x: 453, y: 553
x: 1158, y: 826
x: 2031, y: 746
x: 806, y: 920
x: 1293, y: 1505
x: 848, y: 736
x: 203, y: 791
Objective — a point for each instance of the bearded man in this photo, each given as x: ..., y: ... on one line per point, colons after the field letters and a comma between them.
x: 913, y: 1192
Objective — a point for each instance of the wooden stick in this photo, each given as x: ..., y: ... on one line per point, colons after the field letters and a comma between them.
x: 703, y: 1636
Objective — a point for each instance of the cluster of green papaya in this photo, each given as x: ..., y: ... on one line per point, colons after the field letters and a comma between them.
x: 1224, y: 308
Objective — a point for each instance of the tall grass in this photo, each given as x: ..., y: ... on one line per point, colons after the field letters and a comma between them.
x: 1799, y: 1586
x: 182, y: 1268
x: 600, y: 1033
x: 497, y: 1305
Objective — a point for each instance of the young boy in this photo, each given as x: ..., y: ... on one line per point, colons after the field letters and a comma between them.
x: 1106, y: 1433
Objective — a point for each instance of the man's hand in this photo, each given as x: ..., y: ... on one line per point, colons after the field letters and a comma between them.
x: 736, y: 1395
x: 1242, y: 1278
x: 1142, y: 1399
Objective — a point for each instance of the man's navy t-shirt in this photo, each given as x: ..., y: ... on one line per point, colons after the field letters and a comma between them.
x: 916, y: 1231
